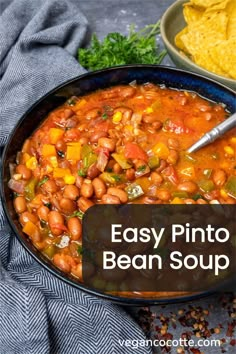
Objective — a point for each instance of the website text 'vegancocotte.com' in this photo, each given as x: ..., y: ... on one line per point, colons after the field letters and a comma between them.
x: 173, y: 343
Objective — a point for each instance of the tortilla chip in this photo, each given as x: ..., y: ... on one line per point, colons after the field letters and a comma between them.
x: 192, y: 14
x: 220, y: 6
x: 178, y: 39
x: 206, y: 3
x: 224, y: 54
x: 205, y: 32
x: 231, y: 11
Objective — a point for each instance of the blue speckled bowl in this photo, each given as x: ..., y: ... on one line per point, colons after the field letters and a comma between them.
x: 81, y: 85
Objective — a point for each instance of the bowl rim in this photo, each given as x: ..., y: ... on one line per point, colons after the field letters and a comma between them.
x: 177, y: 5
x: 123, y: 300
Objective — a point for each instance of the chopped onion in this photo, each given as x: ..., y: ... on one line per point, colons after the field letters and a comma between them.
x: 17, y: 186
x: 102, y: 161
x: 133, y: 83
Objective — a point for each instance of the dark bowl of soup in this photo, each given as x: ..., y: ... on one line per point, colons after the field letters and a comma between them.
x: 114, y: 136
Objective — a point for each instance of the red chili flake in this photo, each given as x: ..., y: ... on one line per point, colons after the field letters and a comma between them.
x: 230, y: 329
x: 195, y: 351
x: 233, y: 342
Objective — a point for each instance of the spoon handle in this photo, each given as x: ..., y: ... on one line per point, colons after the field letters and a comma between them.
x: 215, y: 133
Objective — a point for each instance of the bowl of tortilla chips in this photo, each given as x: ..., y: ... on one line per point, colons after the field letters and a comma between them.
x: 200, y: 36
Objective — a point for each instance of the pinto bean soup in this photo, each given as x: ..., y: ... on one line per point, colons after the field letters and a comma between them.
x: 125, y: 144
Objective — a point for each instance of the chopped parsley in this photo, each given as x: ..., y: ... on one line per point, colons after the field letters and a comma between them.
x: 82, y: 172
x: 141, y: 168
x: 80, y: 250
x: 77, y: 213
x: 104, y: 116
x: 116, y: 49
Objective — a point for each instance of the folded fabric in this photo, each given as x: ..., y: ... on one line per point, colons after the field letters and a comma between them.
x: 40, y: 314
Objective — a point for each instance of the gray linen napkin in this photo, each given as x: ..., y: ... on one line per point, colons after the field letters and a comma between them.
x: 40, y: 314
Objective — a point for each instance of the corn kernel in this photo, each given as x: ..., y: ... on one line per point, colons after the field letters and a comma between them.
x: 149, y: 110
x: 233, y: 140
x: 69, y: 179
x: 25, y: 157
x: 229, y: 150
x: 32, y: 163
x: 177, y: 200
x: 17, y: 176
x: 53, y: 161
x: 223, y: 193
x: 129, y: 128
x: 48, y: 169
x: 117, y: 117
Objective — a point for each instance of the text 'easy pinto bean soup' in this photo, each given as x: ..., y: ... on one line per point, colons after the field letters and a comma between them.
x: 125, y: 144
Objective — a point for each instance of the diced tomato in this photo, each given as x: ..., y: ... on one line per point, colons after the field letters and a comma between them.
x: 134, y: 151
x: 176, y: 126
x: 171, y: 174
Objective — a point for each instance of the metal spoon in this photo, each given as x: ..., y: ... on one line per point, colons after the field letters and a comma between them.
x: 214, y: 134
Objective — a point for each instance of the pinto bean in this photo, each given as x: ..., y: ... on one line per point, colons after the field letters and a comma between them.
x: 189, y: 201
x: 63, y: 262
x: 110, y: 199
x: 67, y: 205
x: 163, y: 194
x: 156, y: 178
x: 157, y: 125
x: 127, y: 92
x: 173, y: 157
x: 130, y: 174
x: 24, y: 171
x: 110, y: 144
x: 149, y: 118
x: 120, y: 193
x: 27, y: 216
x: 43, y: 212
x: 55, y: 220
x: 84, y: 204
x: 86, y: 189
x: 50, y: 186
x: 117, y: 168
x: 75, y: 228
x: 219, y: 177
x: 93, y: 171
x: 97, y: 135
x: 93, y: 113
x: 71, y: 192
x: 173, y: 143
x: 68, y: 113
x: 83, y: 140
x: 99, y: 187
x: 187, y: 186
x: 20, y: 204
x: 79, y: 181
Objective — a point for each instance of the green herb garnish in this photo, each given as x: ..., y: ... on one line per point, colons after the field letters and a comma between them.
x: 141, y: 168
x: 80, y: 250
x: 82, y: 172
x: 104, y: 116
x: 116, y: 178
x: 117, y: 49
x: 77, y: 213
x: 44, y: 180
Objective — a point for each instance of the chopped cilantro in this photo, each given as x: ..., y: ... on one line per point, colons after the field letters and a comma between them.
x: 44, y: 180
